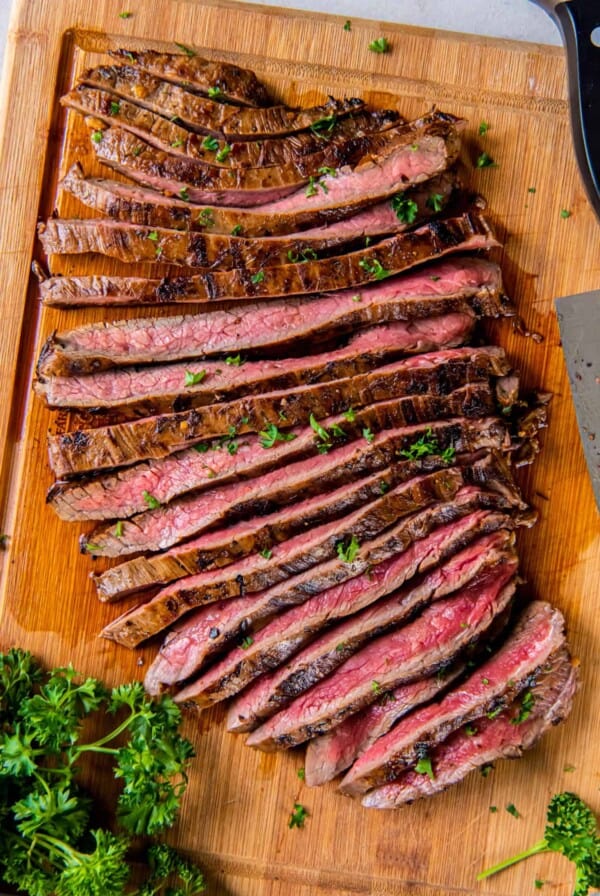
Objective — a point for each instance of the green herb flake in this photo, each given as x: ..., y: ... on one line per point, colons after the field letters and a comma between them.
x: 324, y: 437
x: 136, y: 151
x: 367, y: 434
x: 272, y: 434
x: 298, y: 816
x: 448, y: 454
x: 301, y: 773
x: 485, y: 681
x: 184, y: 49
x: 423, y: 447
x: 201, y: 447
x: 435, y: 202
x: 184, y: 194
x: 119, y: 529
x: 347, y: 25
x: 92, y: 548
x: 266, y: 553
x: 234, y: 360
x: 349, y: 415
x: 424, y: 767
x: 405, y: 209
x: 357, y: 298
x: 435, y: 279
x: 115, y: 108
x: 348, y: 552
x: 527, y: 702
x: 384, y: 487
x: 150, y: 500
x: 493, y: 809
x: 485, y: 161
x: 192, y: 379
x: 569, y: 768
x: 214, y: 92
x: 323, y: 127
x: 210, y: 143
x: 379, y: 45
x: 376, y: 687
x: 206, y: 218
x: 565, y: 213
x: 339, y: 648
x: 325, y: 170
x: 512, y: 810
x: 374, y: 267
x: 538, y: 884
x: 258, y: 277
x: 223, y: 153
x: 235, y: 231
x: 125, y: 15
x: 531, y: 190
x: 153, y: 235
x: 177, y: 143
x: 483, y: 128
x: 247, y: 642
x: 484, y: 770
x: 470, y: 730
x: 97, y: 136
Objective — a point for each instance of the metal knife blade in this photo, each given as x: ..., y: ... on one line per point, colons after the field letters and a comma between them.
x: 579, y: 322
x: 578, y: 22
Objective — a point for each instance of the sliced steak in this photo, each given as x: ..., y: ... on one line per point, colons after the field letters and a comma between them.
x: 398, y: 166
x: 276, y: 643
x: 234, y: 84
x: 147, y: 208
x: 122, y: 444
x: 260, y: 534
x: 456, y: 284
x: 412, y: 652
x: 120, y: 494
x: 143, y: 622
x: 163, y: 388
x: 328, y: 755
x: 504, y: 737
x: 143, y: 116
x: 538, y: 633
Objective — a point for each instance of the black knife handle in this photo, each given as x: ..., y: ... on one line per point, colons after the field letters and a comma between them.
x: 576, y: 20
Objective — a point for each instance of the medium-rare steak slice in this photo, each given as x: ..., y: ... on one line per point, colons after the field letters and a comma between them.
x: 328, y: 755
x: 136, y: 626
x: 396, y: 167
x: 372, y: 616
x: 510, y: 671
x: 205, y: 632
x: 503, y: 737
x: 122, y: 444
x: 414, y: 651
x: 143, y: 116
x: 262, y: 533
x: 290, y: 631
x: 147, y: 208
x: 173, y: 387
x: 232, y: 83
x: 456, y: 284
x: 120, y: 494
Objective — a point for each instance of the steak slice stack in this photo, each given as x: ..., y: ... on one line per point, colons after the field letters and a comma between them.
x: 308, y: 479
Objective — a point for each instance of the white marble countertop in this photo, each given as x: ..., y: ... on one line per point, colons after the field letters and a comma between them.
x: 517, y: 19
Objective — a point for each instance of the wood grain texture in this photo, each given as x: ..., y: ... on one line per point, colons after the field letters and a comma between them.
x: 235, y: 813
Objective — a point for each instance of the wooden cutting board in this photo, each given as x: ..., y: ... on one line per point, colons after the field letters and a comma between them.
x: 235, y: 814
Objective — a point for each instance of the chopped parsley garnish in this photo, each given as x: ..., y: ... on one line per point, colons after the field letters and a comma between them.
x: 272, y: 434
x: 184, y: 194
x: 119, y: 529
x: 234, y: 360
x: 424, y: 767
x: 267, y: 553
x: 125, y: 15
x: 384, y: 487
x: 247, y: 642
x: 357, y: 298
x: 201, y: 447
x: 350, y: 415
x: 206, y: 218
x: 332, y: 172
x: 423, y: 447
x: 484, y: 770
x: 485, y: 161
x: 115, y: 108
x: 448, y: 454
x: 136, y: 151
x: 301, y: 773
x: 347, y: 25
x: 184, y: 49
x: 153, y: 235
x: 214, y: 92
x: 531, y: 190
x: 568, y: 768
x: 565, y: 213
x: 435, y: 202
x: 192, y: 379
x: 376, y: 687
x: 512, y: 810
x: 525, y: 709
x: 305, y: 255
x: 470, y: 730
x: 223, y: 153
x: 374, y: 267
x: 235, y: 231
x: 177, y: 143
x: 483, y: 128
x: 339, y: 648
x: 258, y: 277
x: 150, y: 500
x: 210, y: 143
x: 92, y: 548
x: 298, y: 816
x: 538, y: 884
x: 97, y: 136
x: 379, y: 45
x: 348, y: 552
x: 406, y: 209
x: 367, y: 434
x: 493, y: 809
x: 324, y: 437
x: 323, y: 126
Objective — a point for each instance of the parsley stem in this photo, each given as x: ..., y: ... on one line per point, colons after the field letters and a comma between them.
x: 542, y: 846
x: 95, y: 747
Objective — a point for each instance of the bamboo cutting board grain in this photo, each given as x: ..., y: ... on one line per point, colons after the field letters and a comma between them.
x: 235, y: 814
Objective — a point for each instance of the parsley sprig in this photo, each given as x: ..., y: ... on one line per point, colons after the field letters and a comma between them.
x: 45, y: 816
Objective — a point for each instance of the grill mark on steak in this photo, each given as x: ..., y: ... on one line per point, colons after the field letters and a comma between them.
x: 120, y: 494
x: 143, y: 622
x: 207, y: 631
x: 263, y: 532
x: 538, y: 633
x: 495, y: 739
x: 290, y: 631
x: 121, y: 444
x: 235, y: 84
x: 147, y: 208
x: 133, y: 392
x: 414, y: 651
x: 397, y: 167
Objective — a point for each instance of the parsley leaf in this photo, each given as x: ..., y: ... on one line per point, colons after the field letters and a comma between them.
x: 152, y: 502
x: 192, y: 379
x: 272, y: 434
x: 349, y: 552
x: 374, y: 267
x: 379, y: 45
x: 406, y: 209
x: 298, y: 816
